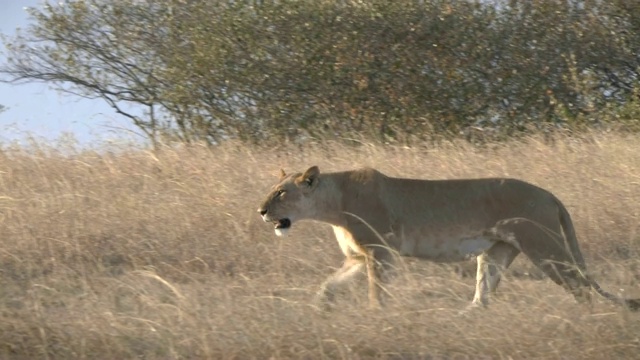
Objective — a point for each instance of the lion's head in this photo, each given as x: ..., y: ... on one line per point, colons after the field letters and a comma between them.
x: 290, y: 200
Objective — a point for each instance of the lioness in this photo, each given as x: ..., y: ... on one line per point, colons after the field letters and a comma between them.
x: 374, y: 215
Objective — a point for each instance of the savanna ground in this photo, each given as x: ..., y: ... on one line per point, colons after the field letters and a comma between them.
x: 131, y: 253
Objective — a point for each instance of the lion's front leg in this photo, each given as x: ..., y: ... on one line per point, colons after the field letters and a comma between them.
x: 352, y: 266
x: 373, y: 280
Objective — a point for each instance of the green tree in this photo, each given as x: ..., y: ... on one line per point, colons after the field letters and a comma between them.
x: 211, y: 70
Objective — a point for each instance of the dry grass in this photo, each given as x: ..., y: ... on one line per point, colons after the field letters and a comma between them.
x: 134, y: 254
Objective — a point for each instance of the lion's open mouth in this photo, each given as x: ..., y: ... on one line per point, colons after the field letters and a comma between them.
x: 283, y: 224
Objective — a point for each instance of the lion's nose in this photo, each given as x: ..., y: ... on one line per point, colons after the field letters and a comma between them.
x: 262, y: 211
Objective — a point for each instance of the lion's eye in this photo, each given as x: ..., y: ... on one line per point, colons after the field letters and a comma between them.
x: 280, y: 192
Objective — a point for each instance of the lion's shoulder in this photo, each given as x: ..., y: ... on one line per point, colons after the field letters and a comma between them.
x: 366, y: 176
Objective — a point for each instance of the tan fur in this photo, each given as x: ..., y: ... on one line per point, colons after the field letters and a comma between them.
x: 375, y: 216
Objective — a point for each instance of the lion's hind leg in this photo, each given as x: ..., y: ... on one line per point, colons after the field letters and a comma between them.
x: 569, y: 277
x: 546, y: 249
x: 491, y: 264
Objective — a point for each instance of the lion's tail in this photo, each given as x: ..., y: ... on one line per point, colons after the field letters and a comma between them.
x: 631, y: 304
x: 570, y: 236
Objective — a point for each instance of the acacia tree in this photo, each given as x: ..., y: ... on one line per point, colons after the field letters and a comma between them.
x: 184, y: 63
x: 86, y: 48
x: 210, y: 70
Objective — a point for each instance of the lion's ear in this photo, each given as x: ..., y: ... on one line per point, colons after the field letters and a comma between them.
x: 282, y: 174
x: 309, y: 177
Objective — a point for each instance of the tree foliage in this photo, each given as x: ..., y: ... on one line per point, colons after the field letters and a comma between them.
x: 392, y: 70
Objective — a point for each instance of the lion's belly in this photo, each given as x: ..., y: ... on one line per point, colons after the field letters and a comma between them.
x: 444, y: 249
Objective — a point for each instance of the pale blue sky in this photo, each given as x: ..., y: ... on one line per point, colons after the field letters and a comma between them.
x: 39, y: 111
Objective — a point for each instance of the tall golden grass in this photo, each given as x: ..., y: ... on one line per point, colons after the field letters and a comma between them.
x: 130, y: 253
